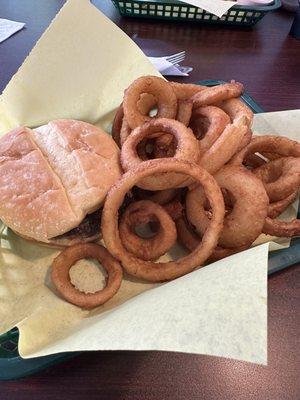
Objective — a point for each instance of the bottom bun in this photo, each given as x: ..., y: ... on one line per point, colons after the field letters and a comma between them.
x: 62, y: 242
x: 87, y: 231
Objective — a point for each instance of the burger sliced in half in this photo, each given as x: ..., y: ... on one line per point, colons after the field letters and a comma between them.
x: 54, y: 179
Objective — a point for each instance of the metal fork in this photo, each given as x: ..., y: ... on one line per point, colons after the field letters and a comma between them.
x: 176, y: 58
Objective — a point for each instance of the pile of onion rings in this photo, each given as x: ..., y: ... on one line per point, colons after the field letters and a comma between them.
x: 193, y: 174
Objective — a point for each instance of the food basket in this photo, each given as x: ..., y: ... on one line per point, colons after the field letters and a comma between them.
x: 12, y: 366
x: 174, y: 10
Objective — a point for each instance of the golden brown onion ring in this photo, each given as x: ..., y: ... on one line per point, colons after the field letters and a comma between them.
x: 187, y: 149
x: 190, y: 239
x: 217, y: 119
x: 67, y: 258
x: 174, y: 209
x: 165, y: 146
x: 280, y: 177
x: 117, y: 125
x: 277, y: 207
x: 270, y: 156
x: 246, y: 220
x: 199, y: 127
x: 223, y: 148
x: 160, y: 89
x: 186, y: 235
x: 146, y: 103
x: 184, y: 91
x: 216, y: 94
x: 279, y: 228
x: 142, y: 146
x: 161, y: 196
x: 236, y: 109
x: 271, y: 144
x: 143, y: 212
x: 219, y: 253
x: 246, y: 140
x: 254, y: 161
x: 184, y: 112
x: 162, y: 146
x: 151, y: 271
x: 125, y: 131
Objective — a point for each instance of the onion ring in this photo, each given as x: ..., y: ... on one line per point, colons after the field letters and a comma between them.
x: 184, y: 112
x: 156, y: 272
x: 280, y: 177
x: 218, y: 120
x: 141, y: 148
x: 223, y: 148
x: 174, y: 209
x: 186, y: 236
x: 125, y: 131
x: 199, y: 127
x: 165, y: 146
x: 160, y: 89
x: 117, y: 125
x: 143, y: 212
x: 272, y: 144
x: 67, y: 258
x: 219, y: 253
x: 189, y: 239
x: 187, y: 149
x: 216, y: 94
x: 278, y: 228
x: 145, y: 104
x: 254, y: 161
x: 270, y: 156
x: 184, y: 91
x: 277, y: 207
x: 144, y: 151
x: 246, y: 220
x: 246, y: 140
x: 162, y: 147
x: 160, y: 197
x: 236, y: 109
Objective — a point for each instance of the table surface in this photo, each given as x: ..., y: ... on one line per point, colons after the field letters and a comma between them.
x: 267, y: 60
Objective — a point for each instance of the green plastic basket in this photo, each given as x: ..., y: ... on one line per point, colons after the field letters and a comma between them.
x: 12, y: 366
x: 174, y: 10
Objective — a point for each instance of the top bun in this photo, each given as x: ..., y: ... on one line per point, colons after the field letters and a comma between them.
x: 53, y: 176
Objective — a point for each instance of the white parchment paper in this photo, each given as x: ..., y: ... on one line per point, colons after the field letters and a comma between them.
x: 218, y: 310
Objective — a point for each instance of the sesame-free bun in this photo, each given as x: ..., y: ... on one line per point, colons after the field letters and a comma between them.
x: 53, y: 176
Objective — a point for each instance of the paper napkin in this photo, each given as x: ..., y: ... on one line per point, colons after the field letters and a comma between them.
x: 8, y: 28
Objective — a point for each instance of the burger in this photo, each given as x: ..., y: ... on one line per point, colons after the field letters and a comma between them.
x: 54, y: 179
